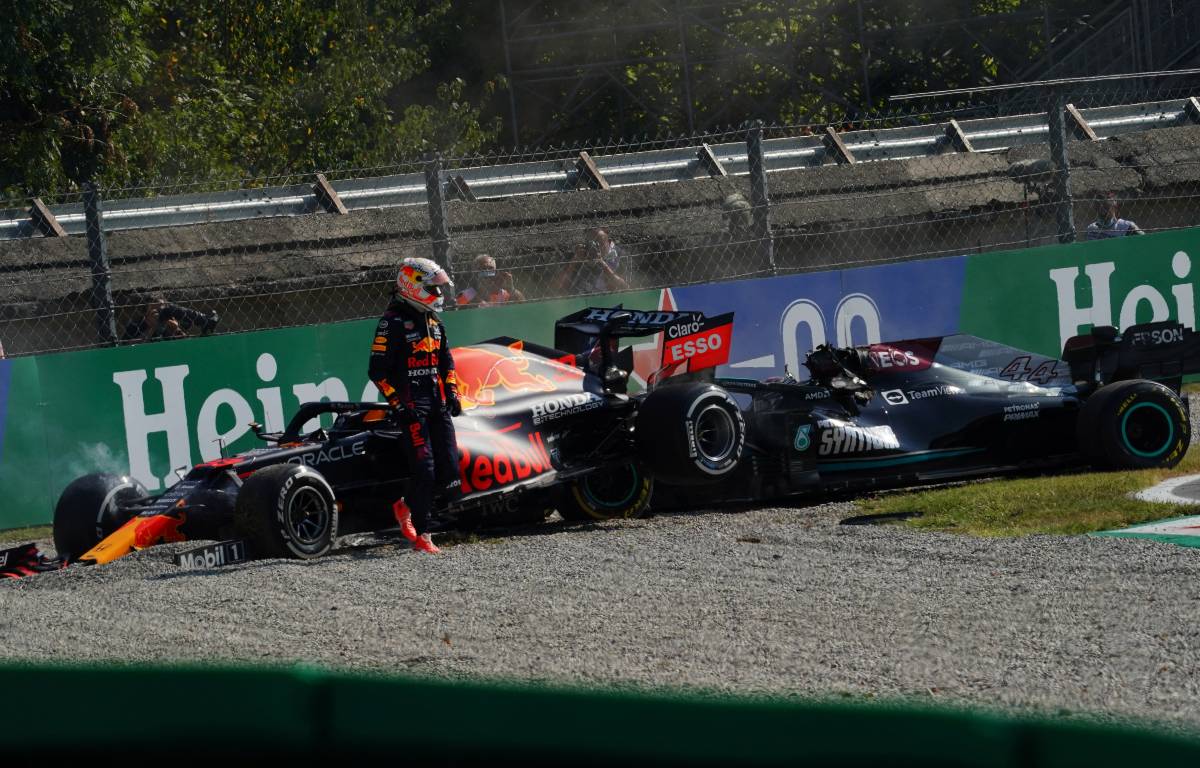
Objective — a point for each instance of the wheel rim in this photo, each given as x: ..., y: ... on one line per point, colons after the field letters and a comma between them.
x: 612, y: 489
x: 715, y: 434
x: 1147, y: 430
x: 308, y: 516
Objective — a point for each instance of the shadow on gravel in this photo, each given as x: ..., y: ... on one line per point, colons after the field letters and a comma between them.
x: 880, y: 519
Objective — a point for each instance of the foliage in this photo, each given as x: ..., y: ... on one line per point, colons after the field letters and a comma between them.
x: 786, y: 61
x: 66, y: 71
x: 135, y: 92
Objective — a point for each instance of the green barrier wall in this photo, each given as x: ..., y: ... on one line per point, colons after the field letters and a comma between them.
x: 221, y: 714
x: 1037, y: 298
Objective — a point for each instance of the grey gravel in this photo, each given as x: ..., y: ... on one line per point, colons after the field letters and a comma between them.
x: 766, y: 601
x: 776, y: 601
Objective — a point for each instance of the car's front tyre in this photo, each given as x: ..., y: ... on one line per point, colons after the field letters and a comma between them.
x: 90, y: 509
x: 287, y: 510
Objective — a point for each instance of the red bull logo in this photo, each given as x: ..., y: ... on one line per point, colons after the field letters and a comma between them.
x: 482, y: 371
x: 414, y: 434
x: 502, y: 462
x: 159, y: 529
x: 427, y: 344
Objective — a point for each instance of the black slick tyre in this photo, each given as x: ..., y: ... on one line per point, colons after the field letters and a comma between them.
x: 89, y: 509
x: 690, y: 433
x: 607, y: 494
x: 287, y: 510
x: 1135, y: 424
x: 1087, y: 428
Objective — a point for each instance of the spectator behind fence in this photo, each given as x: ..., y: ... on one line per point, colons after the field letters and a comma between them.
x: 164, y: 320
x: 738, y: 215
x: 597, y: 267
x: 488, y: 286
x: 1108, y: 224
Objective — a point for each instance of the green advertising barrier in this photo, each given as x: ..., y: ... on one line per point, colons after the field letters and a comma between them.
x: 148, y: 409
x: 203, y: 714
x: 1037, y: 298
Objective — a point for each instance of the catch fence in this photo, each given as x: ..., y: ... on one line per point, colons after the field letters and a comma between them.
x: 127, y: 266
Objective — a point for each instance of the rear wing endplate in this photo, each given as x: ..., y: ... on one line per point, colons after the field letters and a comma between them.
x: 1164, y: 352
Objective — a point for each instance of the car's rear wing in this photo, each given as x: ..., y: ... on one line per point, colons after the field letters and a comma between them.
x: 1164, y: 352
x: 618, y: 321
x: 691, y: 340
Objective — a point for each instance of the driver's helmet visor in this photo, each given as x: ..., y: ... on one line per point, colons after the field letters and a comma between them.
x: 434, y: 283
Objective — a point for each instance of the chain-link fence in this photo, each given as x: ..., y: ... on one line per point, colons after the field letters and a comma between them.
x: 129, y: 266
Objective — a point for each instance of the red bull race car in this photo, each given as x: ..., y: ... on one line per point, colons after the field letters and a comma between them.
x: 541, y: 429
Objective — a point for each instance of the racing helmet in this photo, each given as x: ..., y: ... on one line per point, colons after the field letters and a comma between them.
x: 423, y: 284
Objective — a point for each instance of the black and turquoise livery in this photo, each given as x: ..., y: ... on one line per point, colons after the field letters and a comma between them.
x: 925, y: 410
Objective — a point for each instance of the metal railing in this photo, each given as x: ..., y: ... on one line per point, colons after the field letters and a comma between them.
x: 656, y: 166
x: 749, y: 203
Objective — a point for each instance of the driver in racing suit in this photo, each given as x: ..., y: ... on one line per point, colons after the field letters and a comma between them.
x: 412, y: 367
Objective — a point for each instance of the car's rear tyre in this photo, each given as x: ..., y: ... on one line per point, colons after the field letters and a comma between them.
x: 1087, y: 427
x: 287, y: 510
x: 88, y: 511
x: 690, y: 433
x: 1134, y: 424
x: 607, y: 494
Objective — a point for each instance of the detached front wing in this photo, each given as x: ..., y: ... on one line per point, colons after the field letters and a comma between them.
x: 26, y: 560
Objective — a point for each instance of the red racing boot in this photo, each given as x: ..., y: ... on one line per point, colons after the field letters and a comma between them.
x: 424, y: 543
x: 404, y: 518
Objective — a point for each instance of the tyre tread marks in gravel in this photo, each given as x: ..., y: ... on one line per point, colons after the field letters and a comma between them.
x: 1105, y: 429
x: 262, y: 505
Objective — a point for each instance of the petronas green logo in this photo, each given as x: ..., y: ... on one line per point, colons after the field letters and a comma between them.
x: 802, y: 440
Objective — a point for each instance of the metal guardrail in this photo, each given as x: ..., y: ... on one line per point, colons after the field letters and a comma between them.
x: 619, y: 170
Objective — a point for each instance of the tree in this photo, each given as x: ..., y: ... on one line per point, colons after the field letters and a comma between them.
x: 137, y: 92
x: 621, y: 68
x: 66, y: 73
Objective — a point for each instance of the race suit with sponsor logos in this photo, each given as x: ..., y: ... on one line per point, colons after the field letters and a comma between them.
x: 412, y: 367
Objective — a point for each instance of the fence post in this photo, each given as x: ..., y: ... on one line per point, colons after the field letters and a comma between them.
x: 439, y: 229
x: 760, y: 200
x: 1064, y: 213
x: 102, y: 300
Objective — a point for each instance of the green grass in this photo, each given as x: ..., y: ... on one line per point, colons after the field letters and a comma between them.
x: 22, y: 535
x: 1064, y: 504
